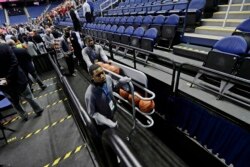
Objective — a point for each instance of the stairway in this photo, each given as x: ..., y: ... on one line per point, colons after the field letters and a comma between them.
x: 212, y: 29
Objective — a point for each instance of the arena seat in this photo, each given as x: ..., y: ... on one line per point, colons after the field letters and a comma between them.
x: 166, y: 7
x: 147, y: 21
x: 130, y: 21
x: 137, y: 21
x: 156, y: 7
x: 104, y: 33
x: 195, y: 11
x: 169, y: 29
x: 111, y: 32
x: 157, y: 23
x: 136, y: 37
x: 179, y: 7
x: 117, y: 35
x: 149, y: 39
x: 125, y: 38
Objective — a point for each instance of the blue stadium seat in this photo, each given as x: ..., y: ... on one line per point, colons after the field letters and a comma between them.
x: 117, y: 36
x: 111, y: 32
x: 104, y: 33
x: 165, y: 8
x: 125, y: 38
x: 157, y: 23
x: 195, y: 9
x: 179, y: 7
x: 130, y: 21
x: 123, y: 21
x: 169, y: 29
x: 137, y: 21
x: 147, y: 21
x: 136, y: 37
x: 155, y: 7
x: 148, y: 40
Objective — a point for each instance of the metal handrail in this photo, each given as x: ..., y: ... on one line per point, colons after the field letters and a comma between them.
x: 226, y: 16
x: 242, y: 5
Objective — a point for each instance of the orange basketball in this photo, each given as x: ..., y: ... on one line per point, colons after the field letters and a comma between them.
x: 114, y: 69
x: 106, y: 66
x: 99, y: 63
x: 146, y: 105
x: 123, y: 93
x: 136, y: 99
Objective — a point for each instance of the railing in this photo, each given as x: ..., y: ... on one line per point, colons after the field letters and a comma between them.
x: 110, y: 3
x: 90, y: 134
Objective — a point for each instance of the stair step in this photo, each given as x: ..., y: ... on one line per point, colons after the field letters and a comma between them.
x: 219, y: 22
x: 191, y: 51
x: 200, y: 39
x: 232, y: 15
x: 239, y: 1
x: 215, y: 30
x: 235, y: 7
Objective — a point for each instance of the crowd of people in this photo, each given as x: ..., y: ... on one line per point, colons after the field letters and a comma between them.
x: 19, y: 43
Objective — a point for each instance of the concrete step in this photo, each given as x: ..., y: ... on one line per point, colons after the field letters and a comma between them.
x: 235, y: 7
x: 232, y: 15
x: 191, y: 51
x: 239, y: 1
x: 214, y: 30
x: 219, y: 22
x: 200, y: 39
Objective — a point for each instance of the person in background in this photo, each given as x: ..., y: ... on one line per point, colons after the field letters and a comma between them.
x: 99, y: 98
x: 14, y: 83
x: 93, y: 53
x: 86, y: 11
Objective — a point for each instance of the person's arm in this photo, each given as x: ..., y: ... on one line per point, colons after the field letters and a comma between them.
x: 103, y: 55
x: 13, y: 68
x: 86, y: 58
x: 99, y: 118
x: 79, y: 39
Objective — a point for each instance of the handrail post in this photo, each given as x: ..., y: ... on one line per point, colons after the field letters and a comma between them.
x: 228, y: 8
x: 242, y: 5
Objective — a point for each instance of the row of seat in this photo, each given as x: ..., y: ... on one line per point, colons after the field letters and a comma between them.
x: 139, y: 37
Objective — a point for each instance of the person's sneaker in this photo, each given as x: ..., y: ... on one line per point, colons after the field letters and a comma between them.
x: 74, y: 74
x: 44, y: 87
x: 39, y: 113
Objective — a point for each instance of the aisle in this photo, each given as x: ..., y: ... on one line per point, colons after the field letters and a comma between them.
x: 49, y: 140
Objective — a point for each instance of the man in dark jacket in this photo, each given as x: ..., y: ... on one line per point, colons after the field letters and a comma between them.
x: 14, y: 83
x: 25, y: 62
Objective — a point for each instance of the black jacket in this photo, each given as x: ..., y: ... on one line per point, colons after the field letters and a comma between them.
x: 9, y: 69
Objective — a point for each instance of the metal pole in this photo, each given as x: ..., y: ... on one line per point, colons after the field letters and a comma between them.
x: 228, y: 8
x: 242, y: 5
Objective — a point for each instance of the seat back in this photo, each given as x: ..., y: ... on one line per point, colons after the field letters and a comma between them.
x: 244, y: 69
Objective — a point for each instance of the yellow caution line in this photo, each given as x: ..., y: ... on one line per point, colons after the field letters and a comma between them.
x: 245, y: 4
x: 44, y: 80
x: 29, y: 113
x: 66, y: 156
x: 50, y: 93
x: 46, y: 84
x: 38, y: 131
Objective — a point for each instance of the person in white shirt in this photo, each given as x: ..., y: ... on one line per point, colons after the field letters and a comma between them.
x: 86, y: 11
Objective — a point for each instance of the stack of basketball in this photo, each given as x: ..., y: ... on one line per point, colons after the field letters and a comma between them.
x: 109, y: 67
x: 144, y: 105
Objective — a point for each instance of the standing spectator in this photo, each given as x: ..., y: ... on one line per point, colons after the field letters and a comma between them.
x: 86, y: 11
x: 31, y: 47
x: 99, y: 98
x: 93, y: 53
x: 25, y: 62
x: 68, y: 54
x: 14, y: 84
x: 76, y: 42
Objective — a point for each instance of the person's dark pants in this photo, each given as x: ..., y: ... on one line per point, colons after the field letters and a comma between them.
x: 36, y: 78
x: 70, y: 63
x: 88, y: 17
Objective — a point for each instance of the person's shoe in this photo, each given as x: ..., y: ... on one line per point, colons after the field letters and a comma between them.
x: 74, y: 74
x: 44, y: 87
x: 24, y: 117
x: 39, y: 113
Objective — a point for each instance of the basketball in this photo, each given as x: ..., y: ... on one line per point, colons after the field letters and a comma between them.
x: 106, y: 66
x: 136, y: 99
x: 99, y: 63
x: 146, y: 105
x: 114, y: 69
x: 123, y: 93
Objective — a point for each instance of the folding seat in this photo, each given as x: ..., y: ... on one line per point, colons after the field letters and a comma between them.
x: 125, y: 38
x: 112, y: 20
x: 147, y: 21
x: 130, y: 20
x: 137, y: 21
x: 149, y: 39
x: 104, y: 33
x: 194, y: 12
x: 117, y: 20
x: 179, y: 7
x: 157, y: 23
x: 138, y: 9
x: 123, y: 21
x: 138, y: 1
x: 99, y: 32
x: 91, y: 29
x: 136, y: 37
x: 110, y: 33
x: 165, y: 8
x: 96, y: 29
x: 155, y: 7
x: 224, y: 57
x: 144, y: 10
x: 243, y: 30
x: 120, y: 30
x: 169, y: 29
